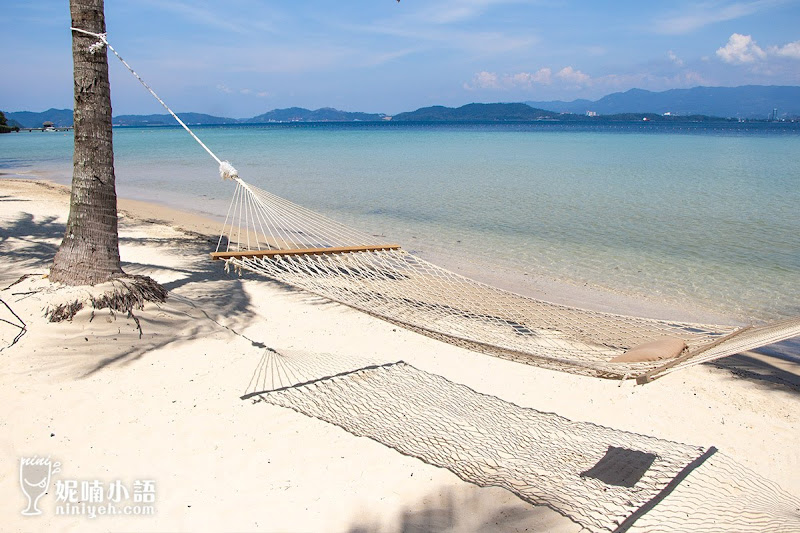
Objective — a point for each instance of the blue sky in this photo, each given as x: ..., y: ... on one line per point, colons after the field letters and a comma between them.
x: 241, y: 58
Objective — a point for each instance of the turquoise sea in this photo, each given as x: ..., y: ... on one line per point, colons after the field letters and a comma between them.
x: 700, y: 216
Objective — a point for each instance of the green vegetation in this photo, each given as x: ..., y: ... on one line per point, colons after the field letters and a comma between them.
x: 168, y: 120
x: 4, y: 126
x: 325, y: 114
x: 525, y: 113
x: 61, y: 118
x: 478, y: 112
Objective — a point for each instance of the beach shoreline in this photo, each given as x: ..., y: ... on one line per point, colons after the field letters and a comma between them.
x: 542, y: 287
x: 110, y: 405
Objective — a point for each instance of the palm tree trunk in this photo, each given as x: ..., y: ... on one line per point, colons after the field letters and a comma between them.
x: 89, y: 252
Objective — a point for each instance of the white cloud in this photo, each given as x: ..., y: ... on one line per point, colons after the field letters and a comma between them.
x: 570, y: 79
x: 244, y: 92
x: 674, y: 58
x: 572, y: 76
x: 483, y: 80
x: 490, y: 80
x: 710, y: 12
x: 791, y: 50
x: 741, y: 49
x: 543, y: 76
x: 568, y: 76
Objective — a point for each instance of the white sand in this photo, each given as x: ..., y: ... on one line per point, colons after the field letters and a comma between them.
x: 166, y: 407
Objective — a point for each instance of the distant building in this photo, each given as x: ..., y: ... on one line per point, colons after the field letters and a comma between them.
x: 47, y: 124
x: 591, y: 113
x: 668, y: 114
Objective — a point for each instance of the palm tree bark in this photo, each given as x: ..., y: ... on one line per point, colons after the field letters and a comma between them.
x: 89, y: 252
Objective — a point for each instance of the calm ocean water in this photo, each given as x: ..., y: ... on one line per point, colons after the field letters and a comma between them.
x: 699, y: 216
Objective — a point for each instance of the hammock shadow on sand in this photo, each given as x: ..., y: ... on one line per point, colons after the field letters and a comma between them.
x: 602, y: 479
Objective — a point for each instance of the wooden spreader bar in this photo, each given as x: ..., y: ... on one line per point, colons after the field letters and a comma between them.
x: 304, y: 251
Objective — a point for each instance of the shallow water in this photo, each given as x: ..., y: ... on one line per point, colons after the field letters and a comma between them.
x: 695, y: 216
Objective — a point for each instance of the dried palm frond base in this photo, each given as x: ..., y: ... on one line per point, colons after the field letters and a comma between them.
x: 120, y: 295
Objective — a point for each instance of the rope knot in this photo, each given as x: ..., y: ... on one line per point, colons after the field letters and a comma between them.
x: 98, y: 46
x: 227, y: 172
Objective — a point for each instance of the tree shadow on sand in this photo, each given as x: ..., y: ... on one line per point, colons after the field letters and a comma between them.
x: 776, y: 366
x: 28, y: 243
x: 203, y: 299
x: 470, y: 508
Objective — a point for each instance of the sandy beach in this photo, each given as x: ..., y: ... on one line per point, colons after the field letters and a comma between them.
x: 112, y: 405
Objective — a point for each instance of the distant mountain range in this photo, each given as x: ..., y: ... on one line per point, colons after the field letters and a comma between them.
x: 699, y: 103
x: 748, y: 101
x: 63, y: 118
x: 491, y: 112
x: 168, y: 120
x: 30, y: 119
x: 298, y: 114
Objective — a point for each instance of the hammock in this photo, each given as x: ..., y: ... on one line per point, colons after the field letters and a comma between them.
x: 606, y: 480
x: 269, y: 235
x: 266, y: 234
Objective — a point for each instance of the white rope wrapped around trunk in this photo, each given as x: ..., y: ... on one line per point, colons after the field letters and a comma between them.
x: 226, y: 170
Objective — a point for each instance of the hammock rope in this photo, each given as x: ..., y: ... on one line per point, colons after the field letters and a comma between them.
x: 283, y: 241
x: 226, y: 170
x: 348, y: 266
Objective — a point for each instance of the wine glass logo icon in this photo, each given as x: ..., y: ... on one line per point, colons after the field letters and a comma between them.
x: 34, y: 479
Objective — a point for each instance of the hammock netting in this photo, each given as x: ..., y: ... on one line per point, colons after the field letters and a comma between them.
x: 601, y: 478
x: 269, y: 235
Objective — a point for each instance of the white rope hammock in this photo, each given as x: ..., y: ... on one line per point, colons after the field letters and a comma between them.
x: 269, y: 235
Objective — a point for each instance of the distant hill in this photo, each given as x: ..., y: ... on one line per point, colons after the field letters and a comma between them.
x: 325, y: 114
x: 168, y: 120
x: 12, y: 123
x: 60, y: 118
x: 697, y: 104
x: 63, y: 117
x: 478, y: 112
x: 749, y: 101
